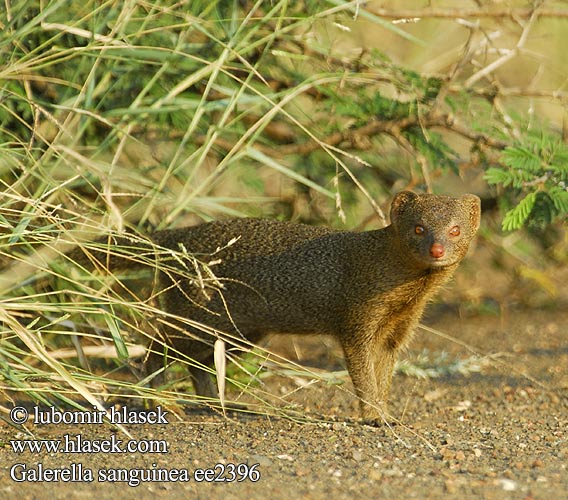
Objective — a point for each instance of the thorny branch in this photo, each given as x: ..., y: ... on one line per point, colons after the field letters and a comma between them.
x: 442, y: 13
x: 437, y: 116
x: 394, y: 128
x: 507, y: 56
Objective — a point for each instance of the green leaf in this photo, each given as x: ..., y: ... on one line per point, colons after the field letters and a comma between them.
x: 121, y: 349
x: 496, y: 175
x: 255, y: 154
x: 516, y: 217
x: 20, y: 229
x: 521, y: 157
x: 559, y: 197
x: 521, y: 177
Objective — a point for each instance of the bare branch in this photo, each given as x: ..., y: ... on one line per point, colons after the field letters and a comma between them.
x: 507, y: 56
x: 512, y: 92
x: 513, y: 13
x: 373, y: 128
x: 420, y: 158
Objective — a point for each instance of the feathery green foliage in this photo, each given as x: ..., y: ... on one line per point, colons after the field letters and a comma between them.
x: 537, y: 171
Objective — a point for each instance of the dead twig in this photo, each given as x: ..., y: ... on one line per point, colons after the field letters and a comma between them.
x: 429, y: 13
x: 508, y: 54
x: 374, y: 127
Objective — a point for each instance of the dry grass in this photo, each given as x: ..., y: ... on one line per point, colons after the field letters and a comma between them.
x: 137, y: 115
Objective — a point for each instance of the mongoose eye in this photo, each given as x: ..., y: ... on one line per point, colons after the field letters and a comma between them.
x: 419, y: 229
x: 455, y: 231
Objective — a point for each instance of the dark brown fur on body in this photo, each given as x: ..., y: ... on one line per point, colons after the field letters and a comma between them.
x: 366, y: 289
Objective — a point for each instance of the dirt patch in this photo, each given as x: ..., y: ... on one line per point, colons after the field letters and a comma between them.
x: 493, y: 434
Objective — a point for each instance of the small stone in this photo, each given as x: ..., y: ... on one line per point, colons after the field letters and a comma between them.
x: 302, y: 472
x: 463, y: 405
x: 375, y: 475
x: 554, y: 399
x: 335, y: 472
x: 508, y: 484
x: 394, y: 472
x: 447, y: 440
x: 450, y: 486
x: 434, y: 395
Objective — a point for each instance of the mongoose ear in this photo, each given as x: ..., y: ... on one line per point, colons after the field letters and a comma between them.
x: 473, y: 204
x: 398, y: 203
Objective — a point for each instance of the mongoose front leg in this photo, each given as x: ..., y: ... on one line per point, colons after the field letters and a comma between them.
x: 362, y: 364
x: 389, y: 341
x: 383, y: 363
x: 371, y: 360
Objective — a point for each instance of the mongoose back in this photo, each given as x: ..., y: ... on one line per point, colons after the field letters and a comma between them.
x: 367, y: 289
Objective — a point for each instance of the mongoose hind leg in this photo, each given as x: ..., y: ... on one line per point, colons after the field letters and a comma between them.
x: 200, y: 355
x: 198, y: 350
x: 200, y: 367
x: 203, y: 383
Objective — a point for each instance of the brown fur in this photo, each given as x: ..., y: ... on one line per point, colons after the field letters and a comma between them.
x: 366, y: 289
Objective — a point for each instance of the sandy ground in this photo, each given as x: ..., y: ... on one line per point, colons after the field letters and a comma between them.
x: 498, y: 433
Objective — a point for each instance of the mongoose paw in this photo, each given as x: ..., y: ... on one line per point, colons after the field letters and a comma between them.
x: 214, y: 406
x: 377, y: 416
x: 384, y: 420
x: 235, y: 406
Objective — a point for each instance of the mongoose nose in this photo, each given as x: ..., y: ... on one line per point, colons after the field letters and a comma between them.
x: 437, y: 250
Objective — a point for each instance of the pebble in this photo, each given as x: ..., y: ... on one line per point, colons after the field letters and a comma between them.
x: 554, y: 399
x: 375, y: 475
x: 508, y: 484
x: 450, y: 486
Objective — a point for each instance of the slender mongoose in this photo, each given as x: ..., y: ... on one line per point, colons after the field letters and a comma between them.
x: 367, y: 289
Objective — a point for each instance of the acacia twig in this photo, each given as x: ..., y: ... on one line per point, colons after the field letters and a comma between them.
x: 372, y: 128
x: 507, y: 56
x: 513, y: 13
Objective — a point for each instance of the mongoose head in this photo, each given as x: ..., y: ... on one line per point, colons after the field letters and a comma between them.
x: 434, y: 231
